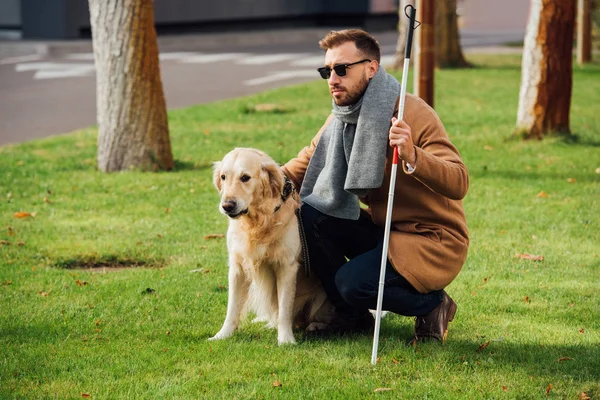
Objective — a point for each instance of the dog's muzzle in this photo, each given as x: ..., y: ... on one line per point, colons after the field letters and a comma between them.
x: 230, y: 208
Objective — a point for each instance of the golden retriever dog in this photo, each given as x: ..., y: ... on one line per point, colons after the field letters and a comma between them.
x: 263, y: 241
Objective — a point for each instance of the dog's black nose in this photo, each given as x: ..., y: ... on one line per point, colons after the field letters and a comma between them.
x: 228, y: 205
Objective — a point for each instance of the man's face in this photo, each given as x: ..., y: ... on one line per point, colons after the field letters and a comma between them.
x: 347, y: 90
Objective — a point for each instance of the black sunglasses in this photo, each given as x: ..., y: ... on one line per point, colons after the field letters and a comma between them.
x: 340, y: 70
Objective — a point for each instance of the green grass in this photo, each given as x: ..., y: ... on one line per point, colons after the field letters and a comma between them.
x: 65, y: 332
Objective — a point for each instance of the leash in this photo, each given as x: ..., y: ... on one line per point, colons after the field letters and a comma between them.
x: 303, y: 242
x: 289, y: 190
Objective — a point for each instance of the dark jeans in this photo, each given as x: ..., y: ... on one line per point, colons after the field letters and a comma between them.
x: 346, y: 256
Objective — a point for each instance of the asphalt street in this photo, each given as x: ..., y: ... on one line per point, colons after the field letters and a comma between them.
x: 53, y: 92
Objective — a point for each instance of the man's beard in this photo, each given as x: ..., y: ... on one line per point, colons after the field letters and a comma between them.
x: 352, y: 95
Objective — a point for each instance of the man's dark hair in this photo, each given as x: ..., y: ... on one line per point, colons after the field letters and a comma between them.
x: 364, y: 42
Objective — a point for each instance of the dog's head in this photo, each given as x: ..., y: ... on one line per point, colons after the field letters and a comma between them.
x: 245, y: 178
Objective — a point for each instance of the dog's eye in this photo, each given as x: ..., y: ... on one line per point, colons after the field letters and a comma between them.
x: 222, y: 177
x: 245, y: 178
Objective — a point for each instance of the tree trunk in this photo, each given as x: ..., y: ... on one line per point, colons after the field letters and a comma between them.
x: 547, y: 69
x: 402, y: 32
x: 424, y: 51
x: 448, y: 52
x: 584, y: 31
x: 132, y: 118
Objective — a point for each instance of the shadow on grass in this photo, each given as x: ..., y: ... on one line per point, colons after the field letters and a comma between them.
x: 531, y: 175
x: 105, y: 262
x: 190, y: 166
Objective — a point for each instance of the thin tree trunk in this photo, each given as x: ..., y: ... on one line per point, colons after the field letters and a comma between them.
x: 448, y: 52
x: 584, y: 31
x: 424, y: 51
x: 402, y: 32
x: 131, y: 111
x: 547, y: 70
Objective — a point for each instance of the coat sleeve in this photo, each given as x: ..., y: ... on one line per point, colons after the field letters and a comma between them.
x: 296, y: 167
x: 438, y: 165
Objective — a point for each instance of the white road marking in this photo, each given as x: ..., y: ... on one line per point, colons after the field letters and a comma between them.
x: 313, y: 61
x: 80, y: 56
x: 268, y: 59
x: 283, y: 75
x: 176, y: 55
x: 208, y: 58
x: 387, y: 60
x: 49, y: 70
x: 20, y: 59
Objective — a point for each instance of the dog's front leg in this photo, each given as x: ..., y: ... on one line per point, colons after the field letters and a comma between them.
x: 286, y: 292
x: 238, y: 291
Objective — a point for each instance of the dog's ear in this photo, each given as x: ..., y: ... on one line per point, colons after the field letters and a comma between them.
x: 217, y: 175
x: 275, y: 178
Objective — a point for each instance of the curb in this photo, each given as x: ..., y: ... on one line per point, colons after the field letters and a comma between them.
x: 190, y: 42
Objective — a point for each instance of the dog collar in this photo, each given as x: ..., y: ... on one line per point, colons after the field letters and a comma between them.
x: 288, y: 189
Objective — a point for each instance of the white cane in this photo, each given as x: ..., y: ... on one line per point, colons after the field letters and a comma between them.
x: 390, y: 206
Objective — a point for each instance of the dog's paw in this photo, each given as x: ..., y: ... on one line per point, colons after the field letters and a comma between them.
x: 286, y: 340
x: 316, y: 326
x: 222, y: 334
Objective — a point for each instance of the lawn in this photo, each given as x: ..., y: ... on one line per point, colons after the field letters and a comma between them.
x: 136, y: 325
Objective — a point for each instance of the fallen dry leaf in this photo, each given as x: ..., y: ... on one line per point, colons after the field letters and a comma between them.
x: 86, y: 395
x: 80, y: 283
x: 277, y: 384
x: 6, y: 283
x: 564, y: 359
x: 548, y: 389
x: 167, y: 210
x: 395, y: 361
x: 19, y: 243
x: 23, y: 214
x: 10, y: 231
x: 581, y: 330
x: 571, y: 180
x: 4, y: 242
x: 505, y: 388
x: 584, y: 396
x: 531, y: 257
x: 526, y: 299
x: 214, y: 236
x: 542, y: 194
x: 382, y: 390
x: 46, y: 200
x: 44, y: 294
x: 483, y: 346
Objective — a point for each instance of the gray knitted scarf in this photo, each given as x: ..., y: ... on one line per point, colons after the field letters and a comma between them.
x: 350, y: 156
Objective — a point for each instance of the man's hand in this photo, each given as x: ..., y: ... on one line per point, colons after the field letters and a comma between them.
x: 400, y: 136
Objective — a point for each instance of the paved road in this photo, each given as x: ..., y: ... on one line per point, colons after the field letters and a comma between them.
x: 48, y: 94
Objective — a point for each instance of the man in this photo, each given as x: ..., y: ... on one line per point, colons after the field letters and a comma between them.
x: 349, y: 160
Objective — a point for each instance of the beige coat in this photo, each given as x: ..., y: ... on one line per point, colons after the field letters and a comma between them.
x: 429, y: 240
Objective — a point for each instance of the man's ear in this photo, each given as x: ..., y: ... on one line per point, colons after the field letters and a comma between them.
x: 373, y: 68
x: 217, y: 175
x: 275, y: 178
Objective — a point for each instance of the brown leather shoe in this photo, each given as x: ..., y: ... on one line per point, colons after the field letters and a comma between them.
x: 435, y: 324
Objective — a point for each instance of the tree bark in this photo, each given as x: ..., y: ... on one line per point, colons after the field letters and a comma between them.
x: 448, y: 52
x: 547, y: 69
x: 402, y: 32
x: 133, y: 131
x: 424, y: 52
x: 584, y: 31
